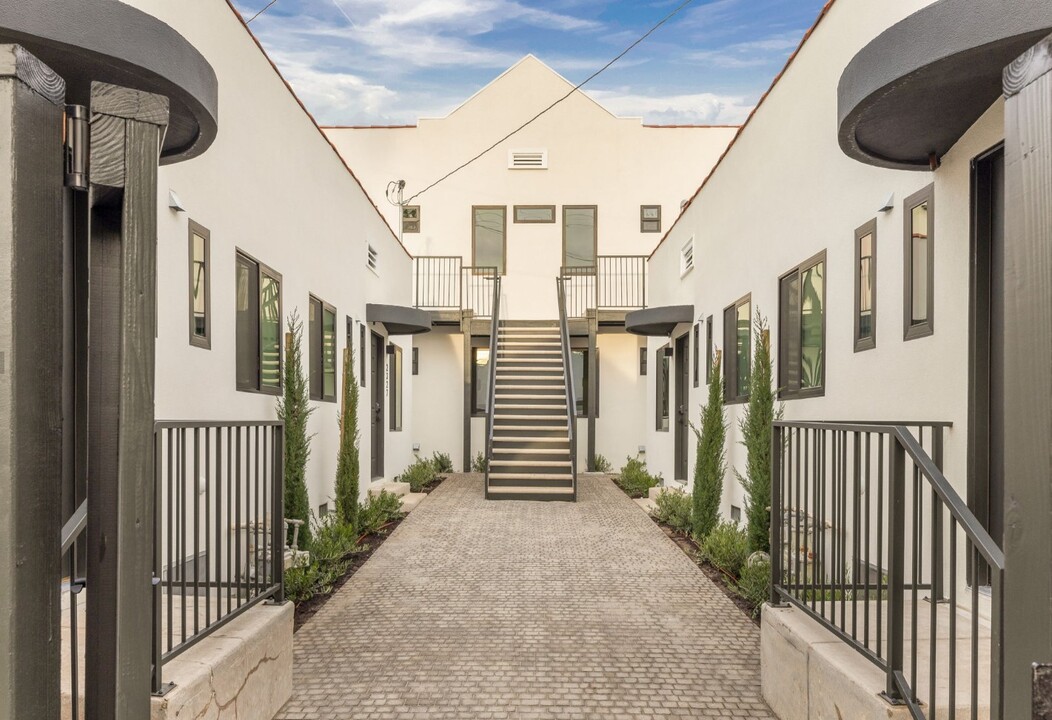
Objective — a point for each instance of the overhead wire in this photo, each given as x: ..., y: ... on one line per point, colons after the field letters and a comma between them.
x: 261, y: 11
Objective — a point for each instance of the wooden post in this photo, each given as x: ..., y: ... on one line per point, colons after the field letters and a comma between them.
x: 31, y: 274
x: 1027, y: 622
x: 127, y: 127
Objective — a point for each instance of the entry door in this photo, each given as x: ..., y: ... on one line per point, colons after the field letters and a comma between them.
x: 987, y: 315
x: 376, y: 380
x: 682, y: 400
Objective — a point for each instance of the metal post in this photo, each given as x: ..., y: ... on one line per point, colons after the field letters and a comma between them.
x: 896, y: 566
x: 31, y: 372
x: 278, y: 523
x: 593, y: 384
x: 776, y: 514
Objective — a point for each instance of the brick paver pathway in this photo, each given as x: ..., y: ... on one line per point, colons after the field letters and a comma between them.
x: 476, y: 609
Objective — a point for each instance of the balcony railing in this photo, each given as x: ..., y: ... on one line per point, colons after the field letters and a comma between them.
x: 616, y: 282
x: 870, y: 539
x: 444, y: 283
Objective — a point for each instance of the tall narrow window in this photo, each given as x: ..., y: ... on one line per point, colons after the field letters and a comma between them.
x: 866, y: 287
x: 395, y: 360
x: 258, y: 330
x: 479, y: 380
x: 802, y: 330
x: 697, y: 354
x: 650, y: 218
x: 322, y: 331
x: 489, y: 226
x: 361, y: 354
x: 737, y: 343
x: 416, y: 361
x: 581, y: 376
x: 919, y: 305
x: 200, y: 287
x: 708, y: 349
x: 579, y: 236
x: 662, y: 394
x: 643, y: 361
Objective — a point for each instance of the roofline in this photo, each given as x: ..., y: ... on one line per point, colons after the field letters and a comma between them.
x: 241, y: 19
x: 367, y: 127
x: 777, y: 78
x: 690, y: 127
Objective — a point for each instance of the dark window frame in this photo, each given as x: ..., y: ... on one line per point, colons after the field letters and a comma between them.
x: 697, y: 354
x: 515, y: 214
x: 503, y: 270
x: 708, y: 350
x: 261, y: 270
x: 643, y: 220
x: 478, y: 410
x: 316, y: 354
x: 866, y: 343
x: 788, y: 381
x: 912, y: 330
x: 416, y: 361
x: 396, y: 369
x: 411, y: 226
x: 730, y: 351
x: 643, y: 360
x: 663, y: 387
x: 362, y: 353
x: 196, y: 230
x: 595, y: 234
x: 581, y: 345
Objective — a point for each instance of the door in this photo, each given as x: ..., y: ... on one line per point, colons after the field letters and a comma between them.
x: 986, y: 363
x: 682, y: 400
x: 376, y: 383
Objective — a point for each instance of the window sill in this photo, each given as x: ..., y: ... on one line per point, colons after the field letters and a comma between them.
x: 736, y: 401
x: 914, y: 332
x: 803, y: 394
x: 261, y: 391
x: 864, y: 345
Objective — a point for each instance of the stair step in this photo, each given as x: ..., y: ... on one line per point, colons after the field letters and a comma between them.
x: 537, y: 494
x: 534, y: 465
x: 530, y: 400
x: 506, y: 481
x: 533, y: 432
x: 520, y: 442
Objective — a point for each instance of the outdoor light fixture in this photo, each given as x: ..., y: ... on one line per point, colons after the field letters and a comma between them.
x: 642, y: 449
x: 416, y: 447
x: 174, y: 202
x: 669, y: 352
x: 889, y: 204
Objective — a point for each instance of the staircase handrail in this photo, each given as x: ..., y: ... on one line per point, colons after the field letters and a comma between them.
x: 571, y: 399
x: 492, y: 395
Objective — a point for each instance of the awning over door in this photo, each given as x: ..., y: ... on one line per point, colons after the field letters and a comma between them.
x: 658, y: 321
x: 398, y: 319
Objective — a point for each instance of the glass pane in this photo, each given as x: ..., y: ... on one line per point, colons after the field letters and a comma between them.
x: 663, y: 389
x: 535, y: 214
x: 328, y: 353
x: 580, y: 380
x: 865, y: 287
x: 481, y: 371
x: 247, y: 329
x: 199, y: 288
x: 580, y: 238
x: 812, y: 326
x: 919, y: 259
x: 396, y: 389
x: 270, y: 332
x: 489, y: 238
x: 744, y: 330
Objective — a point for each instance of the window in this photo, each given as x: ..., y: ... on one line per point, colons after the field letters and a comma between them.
x: 258, y: 328
x: 534, y: 213
x: 200, y: 287
x: 661, y: 386
x: 372, y: 258
x: 395, y: 362
x: 479, y: 380
x: 697, y: 354
x: 642, y: 361
x: 322, y: 357
x: 416, y: 361
x: 488, y: 234
x: 650, y: 218
x: 737, y: 341
x: 802, y: 329
x: 686, y: 257
x: 361, y: 354
x: 528, y: 159
x: 581, y: 370
x: 919, y: 301
x: 411, y: 219
x: 708, y: 350
x: 866, y: 287
x: 579, y: 236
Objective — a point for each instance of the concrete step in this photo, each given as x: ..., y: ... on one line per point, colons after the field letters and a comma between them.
x: 410, y: 501
x: 513, y: 389
x: 534, y: 432
x: 552, y: 400
x: 507, y: 480
x: 401, y: 489
x: 516, y: 442
x: 565, y: 494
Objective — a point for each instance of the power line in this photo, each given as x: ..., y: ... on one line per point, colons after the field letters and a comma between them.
x: 261, y: 12
x: 587, y: 80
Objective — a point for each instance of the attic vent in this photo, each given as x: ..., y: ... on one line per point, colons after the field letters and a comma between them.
x: 686, y: 257
x: 372, y: 258
x: 528, y: 160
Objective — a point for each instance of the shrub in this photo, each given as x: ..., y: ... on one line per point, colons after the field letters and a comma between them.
x: 754, y: 583
x: 419, y: 475
x: 480, y: 463
x: 634, y: 478
x: 709, y: 465
x: 348, y: 465
x: 377, y: 511
x: 333, y: 540
x: 601, y: 464
x: 301, y: 582
x: 294, y: 410
x: 726, y: 547
x: 673, y: 509
x: 442, y: 463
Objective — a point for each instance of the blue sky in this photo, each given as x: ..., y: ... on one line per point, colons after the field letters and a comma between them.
x: 393, y: 61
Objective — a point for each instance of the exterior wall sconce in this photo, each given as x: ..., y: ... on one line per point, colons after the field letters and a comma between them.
x: 889, y: 204
x: 174, y: 202
x: 642, y: 449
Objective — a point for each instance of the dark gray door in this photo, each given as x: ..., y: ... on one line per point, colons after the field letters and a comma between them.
x: 682, y: 399
x: 376, y: 383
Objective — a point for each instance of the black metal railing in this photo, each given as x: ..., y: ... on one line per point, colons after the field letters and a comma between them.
x: 491, y: 399
x: 571, y: 400
x: 615, y: 282
x: 444, y: 283
x: 869, y: 538
x: 219, y: 540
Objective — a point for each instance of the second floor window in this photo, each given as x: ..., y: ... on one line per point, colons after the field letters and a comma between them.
x: 200, y: 287
x: 322, y: 331
x: 920, y: 264
x: 488, y: 236
x: 579, y: 236
x: 802, y: 329
x: 258, y: 327
x: 866, y: 286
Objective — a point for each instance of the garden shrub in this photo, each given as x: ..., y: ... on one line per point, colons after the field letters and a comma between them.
x: 301, y: 582
x: 601, y: 464
x: 673, y: 509
x: 419, y: 475
x: 480, y: 463
x: 754, y: 583
x: 348, y: 465
x: 442, y: 463
x: 709, y: 464
x: 294, y: 410
x: 726, y: 547
x: 333, y: 540
x: 377, y: 511
x: 635, y: 480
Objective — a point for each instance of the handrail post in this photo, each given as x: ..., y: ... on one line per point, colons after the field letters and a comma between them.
x: 776, y: 514
x: 937, y: 580
x: 492, y: 400
x: 278, y: 523
x: 896, y: 566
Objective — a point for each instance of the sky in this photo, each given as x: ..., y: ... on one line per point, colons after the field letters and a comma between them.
x: 390, y: 62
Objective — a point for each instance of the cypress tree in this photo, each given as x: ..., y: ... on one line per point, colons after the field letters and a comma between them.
x: 348, y: 468
x: 709, y: 463
x: 294, y: 410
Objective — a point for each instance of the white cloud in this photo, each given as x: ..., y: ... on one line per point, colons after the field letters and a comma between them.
x: 754, y: 53
x: 689, y: 109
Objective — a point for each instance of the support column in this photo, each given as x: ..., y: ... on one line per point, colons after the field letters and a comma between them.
x: 465, y: 328
x: 1028, y: 374
x: 31, y: 246
x: 127, y: 127
x: 593, y: 386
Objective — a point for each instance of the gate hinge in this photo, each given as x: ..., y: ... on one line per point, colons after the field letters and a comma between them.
x: 75, y: 145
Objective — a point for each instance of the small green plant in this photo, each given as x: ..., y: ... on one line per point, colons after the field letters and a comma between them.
x: 294, y: 410
x: 601, y: 464
x: 634, y: 478
x: 420, y: 475
x: 442, y: 463
x: 348, y: 465
x: 302, y: 581
x: 377, y: 511
x: 480, y: 463
x: 754, y: 582
x: 673, y: 509
x: 709, y: 465
x: 727, y: 548
x: 333, y: 540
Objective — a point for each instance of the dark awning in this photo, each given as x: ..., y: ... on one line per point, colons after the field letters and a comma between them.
x: 111, y: 42
x: 918, y: 87
x: 658, y: 321
x: 398, y: 319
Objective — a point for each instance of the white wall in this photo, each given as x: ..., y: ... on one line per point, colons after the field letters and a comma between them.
x: 438, y: 424
x: 622, y: 397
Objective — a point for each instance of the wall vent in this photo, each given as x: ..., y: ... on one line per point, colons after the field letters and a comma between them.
x: 528, y: 159
x: 686, y: 257
x: 372, y: 258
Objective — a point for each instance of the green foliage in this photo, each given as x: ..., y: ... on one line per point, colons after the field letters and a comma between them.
x: 294, y: 410
x: 442, y: 463
x: 419, y: 475
x: 348, y: 465
x: 726, y: 547
x: 480, y: 463
x: 377, y: 511
x: 756, y: 428
x: 601, y: 464
x: 673, y: 509
x: 634, y: 478
x: 333, y: 540
x: 710, y: 461
x: 754, y: 583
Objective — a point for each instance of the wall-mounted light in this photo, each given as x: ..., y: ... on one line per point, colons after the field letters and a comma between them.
x: 174, y: 202
x: 642, y: 449
x: 669, y: 351
x: 416, y: 447
x: 889, y: 204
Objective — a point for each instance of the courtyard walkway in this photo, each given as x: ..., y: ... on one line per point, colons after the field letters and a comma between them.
x: 476, y: 609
